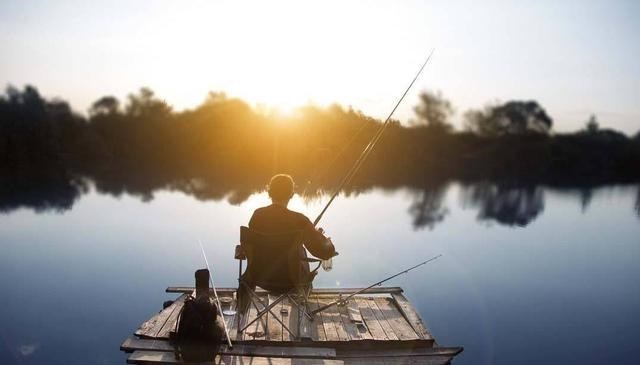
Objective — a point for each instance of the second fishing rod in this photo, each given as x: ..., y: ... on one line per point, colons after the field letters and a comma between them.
x: 342, y: 301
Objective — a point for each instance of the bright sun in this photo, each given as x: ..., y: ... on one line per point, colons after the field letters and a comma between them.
x: 262, y: 59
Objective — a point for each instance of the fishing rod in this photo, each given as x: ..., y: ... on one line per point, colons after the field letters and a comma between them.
x: 341, y: 300
x: 321, y: 172
x: 215, y: 293
x: 369, y: 147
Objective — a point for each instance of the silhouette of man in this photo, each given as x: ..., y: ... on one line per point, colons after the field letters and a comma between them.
x: 276, y: 218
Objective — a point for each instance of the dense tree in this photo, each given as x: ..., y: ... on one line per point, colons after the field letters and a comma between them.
x: 145, y: 104
x: 226, y: 148
x: 513, y: 117
x: 592, y: 125
x: 433, y: 111
x: 106, y: 105
x: 35, y: 131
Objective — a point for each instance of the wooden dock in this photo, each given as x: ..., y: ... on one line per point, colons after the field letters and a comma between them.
x: 379, y: 326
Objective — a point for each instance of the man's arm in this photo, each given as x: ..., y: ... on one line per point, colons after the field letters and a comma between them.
x: 316, y: 242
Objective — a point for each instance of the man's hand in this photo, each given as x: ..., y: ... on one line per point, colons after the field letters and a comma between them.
x: 327, y: 246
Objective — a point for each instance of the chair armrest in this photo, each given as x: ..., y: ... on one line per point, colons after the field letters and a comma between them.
x: 239, y: 253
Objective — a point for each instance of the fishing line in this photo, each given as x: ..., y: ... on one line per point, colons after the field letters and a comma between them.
x: 215, y: 293
x: 322, y: 172
x: 369, y: 147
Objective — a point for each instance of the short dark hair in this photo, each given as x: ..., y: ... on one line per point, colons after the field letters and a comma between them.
x: 281, y: 187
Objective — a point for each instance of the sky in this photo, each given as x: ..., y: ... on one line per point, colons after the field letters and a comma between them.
x: 574, y: 57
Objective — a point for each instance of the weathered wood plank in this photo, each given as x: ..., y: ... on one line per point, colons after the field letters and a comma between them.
x: 153, y: 325
x: 280, y: 351
x: 333, y: 314
x: 412, y: 360
x: 349, y: 327
x: 132, y: 344
x: 136, y: 344
x: 249, y: 316
x: 243, y: 319
x: 361, y: 327
x: 262, y: 325
x: 354, y: 311
x: 274, y: 328
x: 291, y: 318
x: 257, y: 329
x: 399, y: 352
x: 412, y: 316
x: 398, y: 323
x: 386, y: 327
x: 327, y: 322
x: 157, y: 358
x: 306, y: 327
x: 285, y: 310
x: 170, y: 324
x: 374, y: 329
x: 236, y: 360
x: 315, y: 291
x: 317, y: 328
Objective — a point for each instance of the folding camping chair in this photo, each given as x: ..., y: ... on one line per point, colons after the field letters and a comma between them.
x: 273, y: 264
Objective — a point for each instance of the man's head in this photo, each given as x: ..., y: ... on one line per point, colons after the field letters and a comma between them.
x: 281, y: 188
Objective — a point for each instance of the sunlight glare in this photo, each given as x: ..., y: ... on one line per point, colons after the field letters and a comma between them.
x: 271, y: 57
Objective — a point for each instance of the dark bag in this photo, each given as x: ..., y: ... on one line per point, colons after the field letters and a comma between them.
x: 198, y: 333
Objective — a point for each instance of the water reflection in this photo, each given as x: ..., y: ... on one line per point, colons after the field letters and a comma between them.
x: 426, y: 208
x: 509, y: 204
x: 486, y: 294
x: 637, y: 205
x: 41, y: 191
x: 586, y: 194
x: 505, y: 204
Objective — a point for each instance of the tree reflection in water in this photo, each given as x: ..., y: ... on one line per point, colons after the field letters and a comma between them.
x: 427, y: 209
x: 505, y: 204
x: 637, y: 205
x: 40, y: 191
x: 586, y: 194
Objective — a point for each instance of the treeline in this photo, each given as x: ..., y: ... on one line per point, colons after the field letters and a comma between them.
x: 225, y: 147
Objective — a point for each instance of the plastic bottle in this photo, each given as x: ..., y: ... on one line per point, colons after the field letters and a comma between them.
x: 327, y: 264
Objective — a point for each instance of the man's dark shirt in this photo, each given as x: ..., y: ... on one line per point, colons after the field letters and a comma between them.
x: 276, y: 218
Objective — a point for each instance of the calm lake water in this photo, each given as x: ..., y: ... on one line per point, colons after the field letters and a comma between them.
x: 534, y: 276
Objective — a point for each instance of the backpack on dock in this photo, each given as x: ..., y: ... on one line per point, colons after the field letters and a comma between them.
x: 198, y: 333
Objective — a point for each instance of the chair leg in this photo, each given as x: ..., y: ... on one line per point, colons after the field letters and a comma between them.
x: 266, y: 309
x: 304, y: 318
x: 306, y: 291
x: 278, y: 300
x: 302, y: 306
x: 254, y: 297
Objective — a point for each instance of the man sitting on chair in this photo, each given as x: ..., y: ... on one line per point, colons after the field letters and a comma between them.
x: 275, y: 246
x: 276, y: 218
